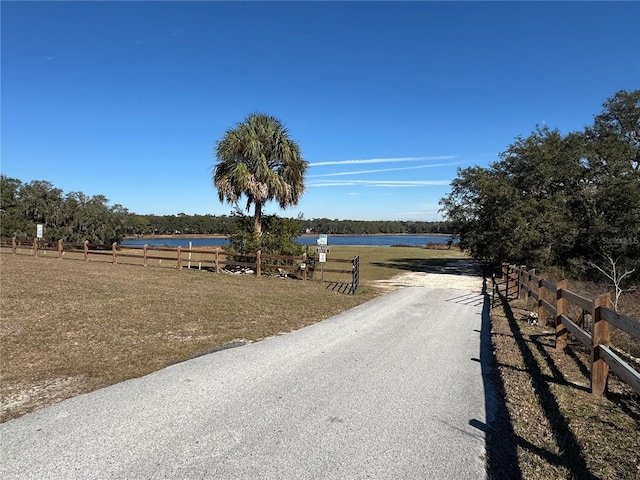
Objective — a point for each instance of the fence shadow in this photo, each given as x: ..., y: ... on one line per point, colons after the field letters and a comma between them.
x: 340, y: 287
x: 500, y: 439
x: 570, y: 456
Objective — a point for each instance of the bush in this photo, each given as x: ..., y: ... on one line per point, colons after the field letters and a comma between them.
x: 278, y: 238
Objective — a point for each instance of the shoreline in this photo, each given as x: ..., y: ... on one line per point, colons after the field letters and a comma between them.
x: 217, y: 235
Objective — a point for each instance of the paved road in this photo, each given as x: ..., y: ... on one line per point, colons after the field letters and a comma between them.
x: 390, y: 389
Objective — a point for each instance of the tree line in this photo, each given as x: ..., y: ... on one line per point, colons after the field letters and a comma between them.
x: 72, y: 217
x: 554, y: 200
x: 75, y: 217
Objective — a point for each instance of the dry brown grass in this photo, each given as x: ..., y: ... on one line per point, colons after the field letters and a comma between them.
x: 550, y: 425
x: 70, y: 327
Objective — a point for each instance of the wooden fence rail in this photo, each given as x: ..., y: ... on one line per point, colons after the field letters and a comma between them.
x: 526, y: 284
x: 212, y: 259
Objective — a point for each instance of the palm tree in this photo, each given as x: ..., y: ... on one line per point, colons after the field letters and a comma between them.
x: 257, y: 159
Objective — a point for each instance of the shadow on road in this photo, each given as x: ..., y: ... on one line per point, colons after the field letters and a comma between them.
x: 500, y: 440
x: 433, y: 265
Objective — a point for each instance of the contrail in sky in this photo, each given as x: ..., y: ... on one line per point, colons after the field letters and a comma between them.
x: 433, y: 165
x: 381, y: 183
x: 381, y: 160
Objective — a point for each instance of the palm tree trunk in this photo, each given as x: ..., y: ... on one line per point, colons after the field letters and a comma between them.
x: 257, y: 219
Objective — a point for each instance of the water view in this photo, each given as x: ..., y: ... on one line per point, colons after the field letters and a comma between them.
x: 352, y: 240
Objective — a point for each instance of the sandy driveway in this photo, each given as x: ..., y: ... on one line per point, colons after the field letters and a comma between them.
x: 460, y: 275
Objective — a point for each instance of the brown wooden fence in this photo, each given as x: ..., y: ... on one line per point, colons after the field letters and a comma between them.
x: 202, y: 258
x: 557, y: 300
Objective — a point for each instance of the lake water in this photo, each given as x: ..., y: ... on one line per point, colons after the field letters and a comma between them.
x: 353, y: 240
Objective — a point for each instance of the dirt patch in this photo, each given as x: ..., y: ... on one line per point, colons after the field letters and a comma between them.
x: 25, y: 397
x: 434, y: 280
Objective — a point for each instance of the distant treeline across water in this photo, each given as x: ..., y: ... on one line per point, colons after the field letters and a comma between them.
x: 355, y: 240
x: 227, y: 224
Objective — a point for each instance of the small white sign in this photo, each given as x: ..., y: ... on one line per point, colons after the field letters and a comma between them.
x: 322, y: 239
x: 40, y: 231
x: 322, y: 257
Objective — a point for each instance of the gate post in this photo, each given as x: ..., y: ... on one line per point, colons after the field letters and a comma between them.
x: 355, y: 274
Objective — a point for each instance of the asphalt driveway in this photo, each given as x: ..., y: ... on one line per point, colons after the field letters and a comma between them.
x: 390, y: 389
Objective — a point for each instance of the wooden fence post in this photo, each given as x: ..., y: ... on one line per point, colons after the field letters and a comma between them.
x: 86, y: 250
x: 258, y: 261
x: 114, y: 252
x: 14, y: 245
x: 179, y: 258
x: 542, y: 313
x: 60, y: 248
x: 35, y: 247
x: 144, y: 255
x: 217, y: 260
x: 562, y: 308
x: 531, y: 273
x: 514, y: 280
x: 506, y: 290
x: 600, y: 335
x: 521, y: 274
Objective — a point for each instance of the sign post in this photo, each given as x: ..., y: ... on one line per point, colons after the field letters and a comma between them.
x: 322, y: 249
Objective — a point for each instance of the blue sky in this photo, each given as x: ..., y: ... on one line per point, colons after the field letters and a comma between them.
x: 386, y: 99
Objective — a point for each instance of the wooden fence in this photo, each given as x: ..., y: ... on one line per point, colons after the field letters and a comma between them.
x: 212, y: 259
x: 525, y: 284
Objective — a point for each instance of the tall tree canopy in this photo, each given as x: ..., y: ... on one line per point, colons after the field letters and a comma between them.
x: 257, y: 159
x: 557, y: 199
x: 74, y: 217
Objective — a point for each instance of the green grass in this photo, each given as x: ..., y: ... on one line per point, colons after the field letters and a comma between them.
x: 381, y: 263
